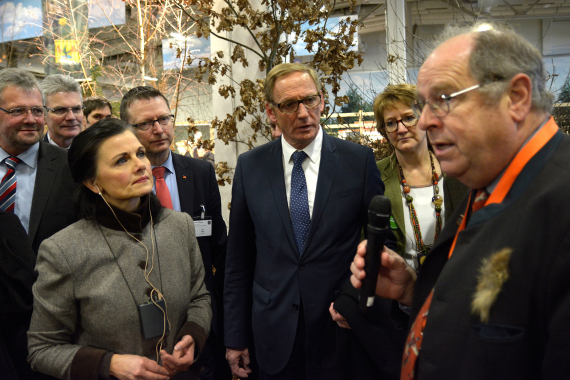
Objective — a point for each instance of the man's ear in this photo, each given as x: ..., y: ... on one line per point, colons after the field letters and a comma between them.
x: 270, y: 112
x: 322, y: 105
x: 520, y: 97
x: 90, y: 184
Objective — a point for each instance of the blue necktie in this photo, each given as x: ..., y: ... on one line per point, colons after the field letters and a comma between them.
x: 299, y: 205
x: 8, y: 185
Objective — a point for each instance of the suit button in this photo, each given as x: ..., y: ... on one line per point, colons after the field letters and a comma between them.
x: 301, y: 267
x: 142, y: 264
x: 295, y: 306
x: 148, y: 292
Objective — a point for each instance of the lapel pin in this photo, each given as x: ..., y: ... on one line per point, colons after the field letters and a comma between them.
x: 184, y: 176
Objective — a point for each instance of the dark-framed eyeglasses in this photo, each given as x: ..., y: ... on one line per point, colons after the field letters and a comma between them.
x: 19, y: 111
x: 145, y: 125
x: 439, y: 104
x: 62, y: 111
x: 409, y: 121
x: 293, y: 105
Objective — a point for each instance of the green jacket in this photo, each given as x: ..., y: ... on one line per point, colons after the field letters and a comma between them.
x: 453, y: 192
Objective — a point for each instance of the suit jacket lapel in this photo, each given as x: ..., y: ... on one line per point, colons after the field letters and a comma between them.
x: 46, y: 173
x: 327, y: 173
x: 184, y: 181
x: 277, y: 180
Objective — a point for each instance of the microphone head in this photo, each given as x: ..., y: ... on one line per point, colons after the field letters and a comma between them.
x: 379, y: 211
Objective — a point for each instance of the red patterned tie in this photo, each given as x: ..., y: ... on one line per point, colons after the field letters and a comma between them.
x: 8, y: 185
x: 161, y: 189
x: 481, y: 197
x: 414, y: 342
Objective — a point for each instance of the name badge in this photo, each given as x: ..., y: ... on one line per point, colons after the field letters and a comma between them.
x: 203, y: 226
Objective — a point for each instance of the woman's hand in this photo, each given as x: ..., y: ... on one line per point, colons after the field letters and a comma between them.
x: 339, y: 319
x: 134, y: 367
x: 395, y: 277
x: 182, y: 357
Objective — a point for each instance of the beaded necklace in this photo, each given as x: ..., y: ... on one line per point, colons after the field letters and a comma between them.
x: 437, y: 200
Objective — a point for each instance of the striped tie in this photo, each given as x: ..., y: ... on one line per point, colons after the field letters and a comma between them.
x: 8, y: 185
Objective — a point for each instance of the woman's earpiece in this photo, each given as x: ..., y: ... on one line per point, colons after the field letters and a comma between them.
x: 98, y: 188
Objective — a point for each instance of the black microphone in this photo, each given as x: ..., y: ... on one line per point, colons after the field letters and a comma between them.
x: 378, y: 218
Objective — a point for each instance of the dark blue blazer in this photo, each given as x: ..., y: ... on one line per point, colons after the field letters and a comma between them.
x: 197, y: 185
x: 267, y: 280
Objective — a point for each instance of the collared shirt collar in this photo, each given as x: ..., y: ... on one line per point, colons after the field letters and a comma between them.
x: 54, y: 143
x: 313, y: 150
x: 29, y: 157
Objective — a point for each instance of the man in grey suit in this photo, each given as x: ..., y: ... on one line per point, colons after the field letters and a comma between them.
x: 298, y: 206
x: 36, y: 182
x: 191, y: 188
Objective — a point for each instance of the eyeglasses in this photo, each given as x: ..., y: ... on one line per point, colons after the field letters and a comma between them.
x: 407, y: 121
x: 439, y: 105
x: 61, y: 111
x: 19, y: 111
x: 145, y: 125
x: 293, y: 105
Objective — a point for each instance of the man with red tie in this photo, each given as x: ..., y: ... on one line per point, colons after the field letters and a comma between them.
x: 188, y: 185
x: 492, y: 300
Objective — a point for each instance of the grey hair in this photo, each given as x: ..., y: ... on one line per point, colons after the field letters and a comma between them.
x: 498, y: 55
x: 18, y: 78
x: 55, y: 83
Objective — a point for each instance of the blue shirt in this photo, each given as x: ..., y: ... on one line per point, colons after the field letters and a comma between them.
x: 25, y: 181
x: 170, y: 179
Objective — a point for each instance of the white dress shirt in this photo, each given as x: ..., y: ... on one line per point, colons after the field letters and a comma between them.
x: 54, y: 143
x: 310, y: 167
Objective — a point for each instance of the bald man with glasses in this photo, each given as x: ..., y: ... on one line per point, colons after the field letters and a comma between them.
x: 492, y: 298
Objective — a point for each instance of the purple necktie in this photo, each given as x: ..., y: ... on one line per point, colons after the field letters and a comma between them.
x: 299, y: 203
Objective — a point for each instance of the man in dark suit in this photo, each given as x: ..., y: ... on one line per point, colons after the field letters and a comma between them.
x: 192, y: 188
x: 16, y: 279
x: 64, y: 106
x: 43, y: 196
x: 492, y: 300
x: 298, y: 206
x: 36, y: 181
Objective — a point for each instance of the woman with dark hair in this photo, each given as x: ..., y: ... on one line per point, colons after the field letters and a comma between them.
x: 120, y: 294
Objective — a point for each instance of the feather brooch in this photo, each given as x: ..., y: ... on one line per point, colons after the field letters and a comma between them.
x: 494, y: 272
